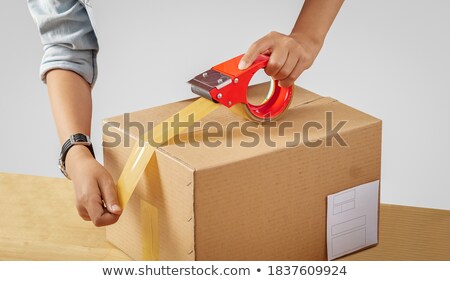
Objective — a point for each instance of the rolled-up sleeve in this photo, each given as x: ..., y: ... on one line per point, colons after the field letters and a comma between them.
x: 68, y: 37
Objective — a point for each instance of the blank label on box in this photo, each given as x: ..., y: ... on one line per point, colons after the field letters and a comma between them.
x: 350, y: 241
x: 352, y: 219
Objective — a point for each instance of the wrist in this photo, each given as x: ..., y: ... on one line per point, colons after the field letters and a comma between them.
x: 78, y: 152
x: 312, y: 43
x: 71, y: 148
x: 77, y: 156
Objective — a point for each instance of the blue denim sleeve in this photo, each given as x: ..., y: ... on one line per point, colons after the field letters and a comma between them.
x: 67, y: 35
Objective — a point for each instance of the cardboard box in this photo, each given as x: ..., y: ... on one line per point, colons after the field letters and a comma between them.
x: 231, y: 202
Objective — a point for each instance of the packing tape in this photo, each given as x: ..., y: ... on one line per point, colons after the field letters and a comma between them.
x: 141, y: 154
x: 160, y: 134
x: 149, y: 231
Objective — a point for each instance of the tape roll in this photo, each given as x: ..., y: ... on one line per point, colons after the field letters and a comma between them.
x: 274, y: 105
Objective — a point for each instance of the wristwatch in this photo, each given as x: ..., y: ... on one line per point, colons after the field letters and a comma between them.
x: 76, y: 139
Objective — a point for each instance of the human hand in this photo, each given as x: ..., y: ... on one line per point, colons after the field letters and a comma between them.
x: 290, y: 55
x: 95, y: 190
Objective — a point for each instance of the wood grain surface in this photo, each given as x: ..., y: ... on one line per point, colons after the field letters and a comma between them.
x: 39, y: 222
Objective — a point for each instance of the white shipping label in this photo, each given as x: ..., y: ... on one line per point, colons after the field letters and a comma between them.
x: 352, y: 219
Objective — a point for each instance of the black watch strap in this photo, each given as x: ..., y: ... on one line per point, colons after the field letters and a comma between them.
x: 76, y: 139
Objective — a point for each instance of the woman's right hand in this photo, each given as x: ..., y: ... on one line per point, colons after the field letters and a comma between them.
x: 95, y: 190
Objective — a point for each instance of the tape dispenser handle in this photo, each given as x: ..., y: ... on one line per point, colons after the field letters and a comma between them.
x: 277, y: 99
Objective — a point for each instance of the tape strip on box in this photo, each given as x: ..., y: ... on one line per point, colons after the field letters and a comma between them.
x: 141, y: 154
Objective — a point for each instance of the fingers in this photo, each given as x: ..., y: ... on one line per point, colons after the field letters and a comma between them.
x: 276, y: 61
x: 286, y: 70
x: 289, y: 56
x: 82, y: 212
x: 295, y: 73
x: 109, y: 194
x: 92, y: 196
x: 260, y: 46
x: 98, y: 214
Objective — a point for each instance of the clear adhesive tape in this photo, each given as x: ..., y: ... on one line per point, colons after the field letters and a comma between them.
x: 160, y: 134
x: 138, y: 160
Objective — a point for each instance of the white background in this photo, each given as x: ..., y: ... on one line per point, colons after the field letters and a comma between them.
x: 388, y: 58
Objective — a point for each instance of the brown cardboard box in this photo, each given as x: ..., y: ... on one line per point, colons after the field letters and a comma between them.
x: 265, y: 202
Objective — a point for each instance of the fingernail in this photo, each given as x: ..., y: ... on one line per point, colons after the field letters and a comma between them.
x: 242, y: 65
x: 115, y: 208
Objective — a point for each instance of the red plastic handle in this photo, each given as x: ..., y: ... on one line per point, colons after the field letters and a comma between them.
x: 236, y: 92
x: 274, y: 106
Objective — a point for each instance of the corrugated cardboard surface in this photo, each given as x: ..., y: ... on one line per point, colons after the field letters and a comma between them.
x: 410, y: 233
x: 239, y: 203
x: 171, y: 193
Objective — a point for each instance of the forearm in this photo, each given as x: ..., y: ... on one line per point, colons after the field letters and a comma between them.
x: 315, y: 19
x: 70, y: 98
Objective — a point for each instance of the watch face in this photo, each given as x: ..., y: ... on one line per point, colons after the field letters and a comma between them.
x: 80, y: 139
x: 76, y: 139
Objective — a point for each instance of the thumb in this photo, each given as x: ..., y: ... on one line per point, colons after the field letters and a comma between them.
x: 109, y: 195
x: 258, y: 47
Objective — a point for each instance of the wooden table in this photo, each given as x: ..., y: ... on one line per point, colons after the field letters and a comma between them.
x: 39, y: 222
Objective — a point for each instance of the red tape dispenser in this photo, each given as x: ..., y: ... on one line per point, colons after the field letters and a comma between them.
x: 225, y: 83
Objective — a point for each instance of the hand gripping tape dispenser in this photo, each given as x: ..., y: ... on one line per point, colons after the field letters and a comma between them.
x: 226, y: 84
